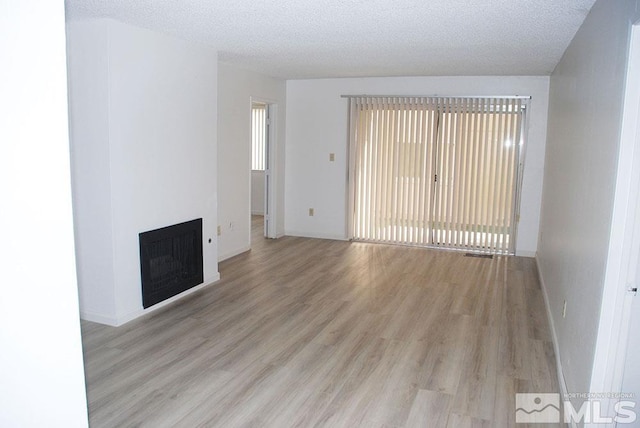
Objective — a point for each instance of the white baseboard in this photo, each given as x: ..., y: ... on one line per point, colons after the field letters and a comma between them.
x: 98, y: 318
x: 120, y: 320
x: 554, y: 337
x: 315, y: 235
x: 233, y: 253
x: 531, y: 254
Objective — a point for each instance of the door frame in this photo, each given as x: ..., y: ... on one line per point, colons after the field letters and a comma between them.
x: 270, y: 174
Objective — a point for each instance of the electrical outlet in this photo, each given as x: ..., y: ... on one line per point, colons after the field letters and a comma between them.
x: 219, y: 230
x: 564, y: 309
x: 332, y: 157
x: 311, y: 212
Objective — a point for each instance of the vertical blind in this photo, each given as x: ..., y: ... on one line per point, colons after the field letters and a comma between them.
x: 258, y: 134
x: 434, y: 171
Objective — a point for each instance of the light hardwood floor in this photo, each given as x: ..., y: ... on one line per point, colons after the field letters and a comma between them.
x: 307, y: 332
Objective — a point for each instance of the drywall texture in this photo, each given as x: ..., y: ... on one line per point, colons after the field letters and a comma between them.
x: 41, y: 367
x: 585, y: 109
x: 236, y: 89
x: 145, y: 160
x: 317, y: 126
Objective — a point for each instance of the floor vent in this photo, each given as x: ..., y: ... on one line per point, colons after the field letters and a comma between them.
x: 480, y: 256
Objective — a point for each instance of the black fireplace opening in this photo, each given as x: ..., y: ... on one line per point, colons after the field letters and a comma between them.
x: 170, y: 261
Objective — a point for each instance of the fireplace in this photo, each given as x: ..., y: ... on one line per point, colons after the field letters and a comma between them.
x: 170, y: 261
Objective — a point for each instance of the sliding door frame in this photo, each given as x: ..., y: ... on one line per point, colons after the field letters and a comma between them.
x: 517, y: 177
x: 517, y: 194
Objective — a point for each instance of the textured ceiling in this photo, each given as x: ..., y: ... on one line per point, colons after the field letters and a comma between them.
x: 342, y: 38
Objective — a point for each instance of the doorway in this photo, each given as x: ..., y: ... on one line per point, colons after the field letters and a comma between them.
x: 262, y: 198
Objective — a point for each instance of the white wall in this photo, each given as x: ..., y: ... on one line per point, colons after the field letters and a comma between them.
x: 257, y: 192
x: 236, y: 88
x: 41, y: 368
x: 585, y: 108
x: 144, y: 160
x: 89, y: 94
x: 317, y: 126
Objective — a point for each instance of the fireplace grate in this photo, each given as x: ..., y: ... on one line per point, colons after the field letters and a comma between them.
x: 170, y: 261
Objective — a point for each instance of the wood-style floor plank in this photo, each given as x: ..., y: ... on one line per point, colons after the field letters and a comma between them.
x: 318, y: 333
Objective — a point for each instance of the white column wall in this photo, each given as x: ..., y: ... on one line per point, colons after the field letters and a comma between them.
x: 41, y: 367
x: 143, y: 127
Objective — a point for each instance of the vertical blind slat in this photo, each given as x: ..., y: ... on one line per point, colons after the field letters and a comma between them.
x: 258, y: 137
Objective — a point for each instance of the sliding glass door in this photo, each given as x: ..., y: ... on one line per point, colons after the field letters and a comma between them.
x: 436, y: 171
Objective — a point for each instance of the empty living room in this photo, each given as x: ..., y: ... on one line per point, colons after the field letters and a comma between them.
x: 320, y: 213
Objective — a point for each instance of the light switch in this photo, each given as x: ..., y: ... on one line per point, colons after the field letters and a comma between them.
x: 332, y: 157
